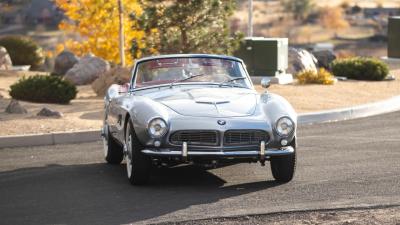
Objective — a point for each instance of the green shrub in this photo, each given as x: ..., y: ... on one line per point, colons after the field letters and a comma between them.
x: 359, y: 68
x: 23, y: 51
x: 310, y: 77
x: 42, y: 88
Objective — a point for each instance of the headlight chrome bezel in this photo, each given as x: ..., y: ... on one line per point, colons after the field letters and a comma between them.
x: 151, y: 129
x: 277, y: 124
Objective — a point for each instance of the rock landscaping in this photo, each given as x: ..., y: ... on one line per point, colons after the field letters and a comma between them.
x: 46, y: 112
x: 88, y: 69
x: 64, y: 62
x: 300, y: 60
x: 5, y: 60
x: 324, y: 58
x: 15, y: 108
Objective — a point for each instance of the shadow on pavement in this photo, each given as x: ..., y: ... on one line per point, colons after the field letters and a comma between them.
x: 100, y: 194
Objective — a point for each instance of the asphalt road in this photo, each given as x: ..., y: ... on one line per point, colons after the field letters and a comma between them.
x: 343, y: 164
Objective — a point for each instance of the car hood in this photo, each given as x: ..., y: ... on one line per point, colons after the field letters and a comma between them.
x: 209, y: 102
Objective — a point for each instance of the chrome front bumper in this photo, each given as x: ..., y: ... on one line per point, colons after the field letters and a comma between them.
x: 185, y: 152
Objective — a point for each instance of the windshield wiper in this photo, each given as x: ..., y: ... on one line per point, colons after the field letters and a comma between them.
x: 231, y: 81
x: 187, y: 78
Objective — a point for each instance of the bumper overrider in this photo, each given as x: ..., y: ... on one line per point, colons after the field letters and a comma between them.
x: 262, y: 153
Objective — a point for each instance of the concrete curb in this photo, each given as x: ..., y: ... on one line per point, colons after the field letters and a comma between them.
x: 49, y: 139
x: 371, y: 109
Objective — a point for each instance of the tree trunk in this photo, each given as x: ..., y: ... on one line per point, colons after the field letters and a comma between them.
x: 121, y: 34
x: 184, y: 41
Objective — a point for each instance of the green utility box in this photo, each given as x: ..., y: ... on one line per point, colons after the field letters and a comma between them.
x: 394, y: 37
x: 264, y: 56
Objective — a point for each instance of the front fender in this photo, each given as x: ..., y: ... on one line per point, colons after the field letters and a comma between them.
x: 275, y: 107
x: 141, y: 111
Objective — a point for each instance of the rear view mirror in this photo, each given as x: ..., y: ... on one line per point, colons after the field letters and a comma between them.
x: 265, y: 83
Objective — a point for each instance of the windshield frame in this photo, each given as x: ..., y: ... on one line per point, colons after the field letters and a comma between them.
x: 137, y: 63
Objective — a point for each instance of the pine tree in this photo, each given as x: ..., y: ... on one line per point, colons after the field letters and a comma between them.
x: 185, y: 26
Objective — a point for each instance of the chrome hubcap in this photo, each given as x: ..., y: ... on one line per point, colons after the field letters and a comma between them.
x: 128, y: 155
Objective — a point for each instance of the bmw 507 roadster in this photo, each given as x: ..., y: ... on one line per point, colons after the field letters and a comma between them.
x: 200, y: 109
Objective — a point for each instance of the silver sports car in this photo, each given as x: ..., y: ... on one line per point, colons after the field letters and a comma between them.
x: 198, y: 109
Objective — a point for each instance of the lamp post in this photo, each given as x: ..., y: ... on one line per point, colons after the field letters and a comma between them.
x: 121, y: 33
x: 250, y: 21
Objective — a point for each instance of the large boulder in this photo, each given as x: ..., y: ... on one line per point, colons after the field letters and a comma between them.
x: 117, y: 75
x: 5, y: 60
x: 87, y: 70
x: 324, y: 57
x: 15, y: 108
x: 301, y: 59
x: 64, y: 62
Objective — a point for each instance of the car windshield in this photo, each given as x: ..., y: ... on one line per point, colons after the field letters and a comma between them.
x: 224, y: 72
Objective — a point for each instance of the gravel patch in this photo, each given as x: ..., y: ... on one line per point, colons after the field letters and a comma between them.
x: 344, y: 217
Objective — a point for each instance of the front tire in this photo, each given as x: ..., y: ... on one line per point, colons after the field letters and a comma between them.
x: 283, y: 167
x: 113, y: 153
x: 137, y: 164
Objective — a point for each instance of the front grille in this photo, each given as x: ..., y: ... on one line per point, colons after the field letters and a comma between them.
x: 245, y: 137
x: 195, y: 137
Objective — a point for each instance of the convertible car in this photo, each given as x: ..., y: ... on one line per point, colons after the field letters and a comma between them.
x: 196, y: 109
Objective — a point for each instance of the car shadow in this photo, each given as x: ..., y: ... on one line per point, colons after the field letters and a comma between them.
x: 100, y: 194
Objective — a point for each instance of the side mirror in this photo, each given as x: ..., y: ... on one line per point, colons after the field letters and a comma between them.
x: 112, y: 92
x: 124, y: 88
x: 265, y: 83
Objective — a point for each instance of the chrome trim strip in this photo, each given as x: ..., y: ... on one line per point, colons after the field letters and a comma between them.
x: 169, y: 56
x: 268, y: 152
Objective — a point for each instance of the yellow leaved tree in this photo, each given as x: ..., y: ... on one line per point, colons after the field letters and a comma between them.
x: 97, y: 24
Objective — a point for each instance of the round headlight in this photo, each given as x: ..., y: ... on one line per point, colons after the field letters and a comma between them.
x: 157, y: 127
x: 284, y: 126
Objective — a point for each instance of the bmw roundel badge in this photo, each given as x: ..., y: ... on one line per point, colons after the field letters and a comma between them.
x: 221, y: 122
